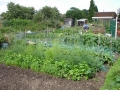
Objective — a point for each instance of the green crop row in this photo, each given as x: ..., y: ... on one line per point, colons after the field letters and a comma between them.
x: 68, y: 62
x: 95, y: 40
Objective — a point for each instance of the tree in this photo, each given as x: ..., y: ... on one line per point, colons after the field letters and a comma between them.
x: 38, y: 16
x: 74, y: 13
x: 56, y: 13
x: 85, y: 13
x: 4, y: 15
x: 49, y: 15
x: 17, y: 11
x: 96, y: 9
x: 92, y: 9
x: 50, y: 12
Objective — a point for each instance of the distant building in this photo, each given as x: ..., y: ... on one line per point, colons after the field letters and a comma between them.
x: 104, y: 15
x: 105, y: 19
x: 81, y: 22
x: 69, y: 22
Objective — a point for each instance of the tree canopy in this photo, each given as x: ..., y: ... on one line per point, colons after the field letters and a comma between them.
x: 92, y: 9
x: 47, y: 13
x: 74, y: 13
x: 17, y: 11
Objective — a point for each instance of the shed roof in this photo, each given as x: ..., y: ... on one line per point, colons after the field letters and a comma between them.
x: 103, y: 17
x: 82, y: 20
x: 104, y: 14
x: 68, y: 19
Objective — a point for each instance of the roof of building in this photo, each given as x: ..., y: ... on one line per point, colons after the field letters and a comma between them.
x: 82, y: 20
x: 68, y: 19
x: 104, y: 15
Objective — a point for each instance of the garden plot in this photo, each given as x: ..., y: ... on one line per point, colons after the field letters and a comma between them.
x: 66, y: 56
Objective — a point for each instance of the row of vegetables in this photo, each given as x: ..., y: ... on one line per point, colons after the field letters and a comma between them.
x: 68, y: 61
x: 95, y: 40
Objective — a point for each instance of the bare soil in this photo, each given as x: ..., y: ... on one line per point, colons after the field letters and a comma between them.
x: 15, y: 78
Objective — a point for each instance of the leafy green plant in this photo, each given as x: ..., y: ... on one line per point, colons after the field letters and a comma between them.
x: 35, y: 66
x: 112, y: 81
x: 116, y: 80
x: 80, y: 71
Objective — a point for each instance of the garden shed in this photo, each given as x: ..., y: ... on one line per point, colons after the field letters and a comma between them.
x: 80, y: 22
x: 69, y: 22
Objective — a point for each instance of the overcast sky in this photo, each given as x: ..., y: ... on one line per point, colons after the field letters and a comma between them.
x: 64, y: 5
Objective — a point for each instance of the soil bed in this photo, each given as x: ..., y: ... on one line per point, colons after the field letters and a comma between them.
x: 15, y: 78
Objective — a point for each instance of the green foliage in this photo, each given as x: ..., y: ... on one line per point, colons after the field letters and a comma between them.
x: 85, y: 13
x: 79, y: 71
x: 22, y: 24
x: 5, y: 30
x: 25, y: 18
x: 95, y: 40
x: 79, y: 57
x: 49, y: 67
x: 16, y: 23
x: 49, y: 13
x: 50, y: 17
x: 50, y: 60
x: 112, y: 81
x: 35, y: 66
x: 38, y: 16
x: 65, y: 69
x: 18, y: 12
x: 106, y: 26
x: 74, y: 13
x: 92, y: 9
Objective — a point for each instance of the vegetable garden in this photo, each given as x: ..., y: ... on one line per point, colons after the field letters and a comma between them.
x: 63, y: 53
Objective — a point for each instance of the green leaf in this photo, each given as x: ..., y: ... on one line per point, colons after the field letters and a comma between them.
x: 118, y: 79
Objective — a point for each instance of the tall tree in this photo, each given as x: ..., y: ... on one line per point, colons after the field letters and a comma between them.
x: 17, y: 11
x: 50, y: 12
x: 49, y: 15
x: 38, y: 16
x: 92, y: 9
x: 74, y: 13
x: 85, y: 13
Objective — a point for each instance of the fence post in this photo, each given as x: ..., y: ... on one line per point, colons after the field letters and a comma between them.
x: 116, y: 29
